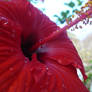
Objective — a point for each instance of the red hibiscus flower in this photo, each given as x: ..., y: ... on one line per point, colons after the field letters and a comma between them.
x: 30, y: 59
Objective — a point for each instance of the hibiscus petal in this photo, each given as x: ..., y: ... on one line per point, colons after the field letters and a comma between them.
x: 59, y: 48
x: 45, y: 73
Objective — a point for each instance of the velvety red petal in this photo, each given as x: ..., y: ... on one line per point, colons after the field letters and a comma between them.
x: 11, y: 59
x: 52, y: 70
x: 61, y: 50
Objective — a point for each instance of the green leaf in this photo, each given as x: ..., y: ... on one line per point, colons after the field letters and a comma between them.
x: 79, y: 2
x: 75, y: 10
x: 90, y: 61
x: 71, y: 4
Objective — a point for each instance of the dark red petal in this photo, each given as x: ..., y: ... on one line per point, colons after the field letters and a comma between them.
x: 61, y: 50
x: 17, y: 74
x: 11, y: 58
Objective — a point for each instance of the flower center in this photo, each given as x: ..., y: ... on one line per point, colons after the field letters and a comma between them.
x: 26, y: 52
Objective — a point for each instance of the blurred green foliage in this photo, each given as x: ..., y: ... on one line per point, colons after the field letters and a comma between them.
x: 88, y: 81
x: 89, y: 78
x: 67, y: 14
x: 90, y: 61
x: 70, y: 4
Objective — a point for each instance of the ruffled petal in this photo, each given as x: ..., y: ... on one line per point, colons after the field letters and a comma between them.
x: 11, y: 57
x: 52, y: 70
x: 61, y: 50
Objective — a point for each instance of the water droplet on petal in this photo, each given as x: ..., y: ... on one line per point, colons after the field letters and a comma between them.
x: 57, y: 31
x: 63, y: 85
x: 3, y: 18
x: 11, y: 69
x: 59, y: 61
x: 6, y: 23
x: 26, y: 60
x: 47, y: 68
